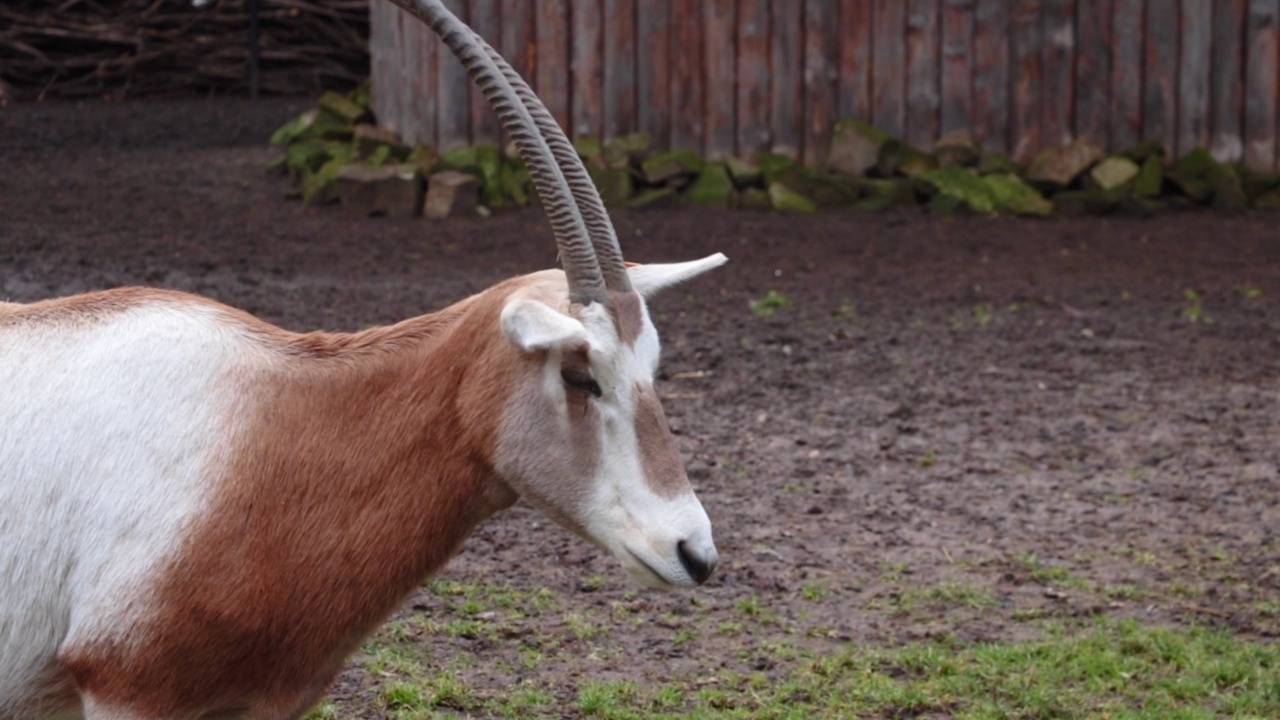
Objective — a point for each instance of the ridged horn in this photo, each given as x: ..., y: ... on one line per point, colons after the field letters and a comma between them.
x: 573, y: 238
x: 599, y: 227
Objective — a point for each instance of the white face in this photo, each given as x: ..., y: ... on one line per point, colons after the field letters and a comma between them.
x: 587, y: 441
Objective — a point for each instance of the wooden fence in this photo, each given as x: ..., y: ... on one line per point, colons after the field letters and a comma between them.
x: 745, y: 76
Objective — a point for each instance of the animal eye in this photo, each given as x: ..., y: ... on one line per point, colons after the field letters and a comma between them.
x: 579, y: 380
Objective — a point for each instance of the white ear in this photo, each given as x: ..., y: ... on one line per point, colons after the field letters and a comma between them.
x: 533, y: 326
x: 649, y: 279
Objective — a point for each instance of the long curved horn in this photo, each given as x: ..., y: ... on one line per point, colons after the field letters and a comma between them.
x: 581, y: 267
x: 599, y: 227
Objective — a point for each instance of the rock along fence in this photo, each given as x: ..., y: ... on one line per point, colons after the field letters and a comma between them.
x: 745, y: 77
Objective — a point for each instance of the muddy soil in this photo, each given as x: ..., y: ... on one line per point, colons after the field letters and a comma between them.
x: 902, y: 426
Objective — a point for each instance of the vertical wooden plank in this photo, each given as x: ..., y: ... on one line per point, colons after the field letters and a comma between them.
x: 1126, y: 73
x: 923, y: 83
x: 1193, y: 76
x: 820, y: 57
x: 686, y: 75
x: 653, y: 71
x: 518, y: 45
x: 1059, y: 81
x: 420, y: 57
x: 407, y: 125
x: 1226, y: 87
x: 453, y: 102
x: 396, y: 99
x: 1160, y: 71
x: 483, y: 17
x: 957, y: 64
x: 1093, y: 70
x: 378, y: 80
x: 719, y: 22
x: 991, y: 74
x: 854, y: 91
x: 587, y: 68
x: 619, y: 67
x: 1262, y: 84
x: 888, y: 79
x: 786, y: 58
x: 753, y: 78
x: 552, y: 58
x: 1026, y: 39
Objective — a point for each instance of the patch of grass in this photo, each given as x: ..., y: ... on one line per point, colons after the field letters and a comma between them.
x: 610, y: 699
x: 1050, y: 574
x: 772, y: 302
x: 814, y: 591
x: 984, y: 314
x: 1249, y: 292
x: 944, y: 596
x: 1193, y: 310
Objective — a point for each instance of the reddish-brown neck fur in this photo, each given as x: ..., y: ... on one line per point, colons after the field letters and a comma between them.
x: 363, y: 467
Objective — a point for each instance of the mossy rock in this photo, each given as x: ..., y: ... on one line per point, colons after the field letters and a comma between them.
x: 895, y: 191
x: 1013, y: 195
x: 773, y: 165
x: 957, y: 149
x: 616, y: 185
x: 743, y: 173
x: 754, y: 198
x: 784, y: 199
x: 666, y: 167
x: 655, y: 198
x: 1258, y: 184
x: 342, y: 107
x: 1060, y: 166
x: 994, y: 162
x: 855, y: 147
x: 874, y: 204
x: 1195, y: 165
x: 1150, y: 179
x: 627, y: 150
x: 517, y: 184
x: 946, y: 205
x: 591, y: 151
x: 712, y: 188
x: 822, y: 188
x: 964, y: 185
x: 1228, y: 194
x: 1114, y: 172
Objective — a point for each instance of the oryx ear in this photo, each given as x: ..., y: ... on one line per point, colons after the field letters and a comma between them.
x: 649, y: 279
x: 533, y: 326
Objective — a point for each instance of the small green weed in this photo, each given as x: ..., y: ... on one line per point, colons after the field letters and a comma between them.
x: 769, y: 304
x: 1193, y: 311
x: 1250, y: 292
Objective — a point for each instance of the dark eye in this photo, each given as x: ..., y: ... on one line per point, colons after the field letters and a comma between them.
x: 579, y: 380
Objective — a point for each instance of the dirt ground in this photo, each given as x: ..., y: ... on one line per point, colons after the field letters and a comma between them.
x: 946, y: 427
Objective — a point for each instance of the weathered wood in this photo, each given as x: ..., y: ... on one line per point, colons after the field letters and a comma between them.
x: 587, y: 67
x: 420, y: 54
x: 957, y: 65
x: 786, y: 59
x: 991, y: 74
x: 384, y: 89
x: 1193, y: 75
x: 653, y: 74
x: 1026, y: 40
x: 853, y: 91
x: 820, y: 63
x: 404, y: 30
x: 719, y: 25
x: 1059, y: 80
x: 1093, y: 70
x: 1160, y: 84
x: 923, y: 83
x: 1126, y: 72
x: 1262, y: 84
x: 686, y: 75
x: 753, y: 78
x: 1226, y: 87
x: 453, y: 88
x: 619, y: 68
x: 518, y: 32
x: 888, y: 83
x: 551, y: 50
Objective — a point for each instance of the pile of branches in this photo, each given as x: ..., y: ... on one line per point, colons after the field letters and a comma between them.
x: 123, y: 48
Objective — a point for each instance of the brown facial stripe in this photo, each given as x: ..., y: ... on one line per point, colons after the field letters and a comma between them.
x: 663, y: 469
x: 628, y: 316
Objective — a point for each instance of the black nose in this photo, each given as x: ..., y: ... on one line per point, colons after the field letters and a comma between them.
x: 698, y: 568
